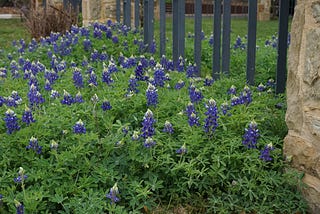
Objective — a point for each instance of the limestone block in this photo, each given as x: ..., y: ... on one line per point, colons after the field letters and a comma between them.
x: 312, y: 192
x: 316, y: 10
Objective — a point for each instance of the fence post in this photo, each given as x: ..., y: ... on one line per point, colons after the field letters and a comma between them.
x: 162, y: 27
x: 197, y: 36
x: 282, y: 47
x: 216, y: 39
x: 127, y: 13
x: 118, y: 11
x: 178, y: 31
x: 136, y: 13
x: 226, y: 36
x: 145, y: 22
x: 251, y: 51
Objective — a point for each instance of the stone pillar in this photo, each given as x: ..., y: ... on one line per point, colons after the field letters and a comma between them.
x: 302, y: 144
x: 264, y: 10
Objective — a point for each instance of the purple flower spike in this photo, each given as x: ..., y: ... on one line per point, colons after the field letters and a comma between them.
x: 251, y: 136
x: 34, y: 145
x: 168, y: 127
x: 211, y: 122
x: 182, y: 150
x: 114, y: 191
x: 152, y: 95
x: 265, y: 153
x: 149, y: 142
x: 27, y: 116
x: 147, y: 125
x: 11, y: 121
x: 79, y: 128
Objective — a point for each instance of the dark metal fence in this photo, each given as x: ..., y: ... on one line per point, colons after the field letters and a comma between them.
x: 221, y: 49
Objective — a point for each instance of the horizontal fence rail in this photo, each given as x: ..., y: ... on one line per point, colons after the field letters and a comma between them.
x: 221, y: 49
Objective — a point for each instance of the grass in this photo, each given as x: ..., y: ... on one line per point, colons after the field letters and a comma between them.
x: 12, y: 29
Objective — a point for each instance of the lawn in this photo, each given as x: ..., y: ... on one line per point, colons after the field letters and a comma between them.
x: 90, y: 124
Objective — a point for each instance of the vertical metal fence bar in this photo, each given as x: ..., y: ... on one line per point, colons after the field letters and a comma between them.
x: 150, y: 23
x: 136, y: 13
x: 146, y: 22
x: 118, y: 11
x: 282, y: 47
x: 162, y: 27
x: 175, y: 38
x: 127, y: 13
x: 251, y: 51
x: 181, y: 27
x: 226, y: 36
x: 197, y: 38
x: 216, y: 39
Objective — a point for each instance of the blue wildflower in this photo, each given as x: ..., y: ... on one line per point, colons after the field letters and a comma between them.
x: 92, y: 79
x: 225, y: 108
x: 106, y: 77
x: 149, y: 142
x: 87, y: 44
x: 78, y: 98
x: 47, y: 86
x: 147, y: 125
x: 152, y: 95
x: 27, y: 116
x: 67, y: 98
x: 251, y: 135
x: 135, y: 135
x: 114, y: 191
x: 106, y: 105
x: 115, y: 39
x: 261, y: 87
x: 34, y: 145
x: 182, y: 150
x: 54, y: 145
x: 133, y: 84
x: 11, y: 121
x: 19, y: 207
x: 54, y: 94
x: 195, y: 94
x: 191, y: 71
x: 168, y: 127
x: 21, y: 176
x: 232, y: 90
x: 265, y: 153
x: 77, y: 78
x: 35, y: 97
x: 180, y: 84
x: 159, y: 76
x: 211, y: 122
x: 208, y: 81
x: 79, y: 128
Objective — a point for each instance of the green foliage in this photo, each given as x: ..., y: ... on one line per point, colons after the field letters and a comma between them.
x: 217, y: 173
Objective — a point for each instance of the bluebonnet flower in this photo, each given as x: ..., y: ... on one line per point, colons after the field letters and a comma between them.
x: 47, y: 86
x: 208, y: 81
x: 106, y: 77
x: 147, y: 125
x: 235, y: 100
x: 97, y: 33
x: 144, y: 61
x: 180, y: 84
x: 54, y: 145
x: 239, y: 44
x: 152, y: 95
x: 19, y: 207
x: 79, y: 128
x: 112, y: 195
x: 135, y: 135
x: 10, y: 102
x: 34, y: 145
x: 168, y: 127
x: 211, y: 40
x: 2, y: 101
x: 21, y: 176
x: 195, y: 94
x: 139, y: 72
x: 78, y: 98
x: 87, y: 44
x: 152, y: 62
x: 225, y: 108
x: 191, y: 70
x: 180, y: 64
x: 153, y: 47
x: 106, y: 105
x: 11, y: 121
x: 92, y: 81
x: 251, y: 135
x: 159, y: 76
x: 3, y: 73
x: 94, y: 99
x: 67, y: 98
x: 265, y: 153
x: 54, y: 94
x: 163, y: 61
x: 271, y: 83
x: 193, y: 119
x: 15, y: 96
x: 132, y: 61
x: 211, y: 122
x: 115, y: 39
x: 95, y: 55
x: 232, y: 90
x: 261, y: 87
x: 77, y: 78
x: 246, y: 95
x: 182, y: 150
x: 149, y: 142
x: 27, y: 116
x: 133, y: 84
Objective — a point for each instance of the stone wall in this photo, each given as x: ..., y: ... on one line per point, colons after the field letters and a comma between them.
x: 302, y: 144
x: 264, y: 10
